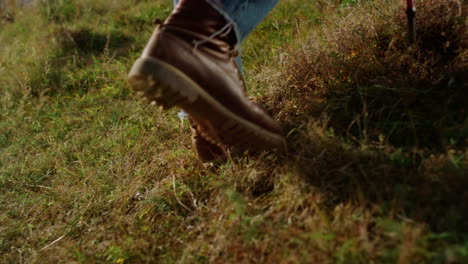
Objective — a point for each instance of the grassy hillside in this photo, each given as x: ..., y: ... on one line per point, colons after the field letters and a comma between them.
x: 375, y: 171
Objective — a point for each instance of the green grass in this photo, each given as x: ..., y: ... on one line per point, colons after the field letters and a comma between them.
x: 90, y: 173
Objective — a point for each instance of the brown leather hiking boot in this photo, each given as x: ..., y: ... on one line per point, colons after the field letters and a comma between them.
x: 189, y: 62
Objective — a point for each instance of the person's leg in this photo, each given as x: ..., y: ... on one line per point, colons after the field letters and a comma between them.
x: 246, y: 14
x: 189, y: 63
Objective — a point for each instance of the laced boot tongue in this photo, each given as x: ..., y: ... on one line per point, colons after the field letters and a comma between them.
x: 201, y: 17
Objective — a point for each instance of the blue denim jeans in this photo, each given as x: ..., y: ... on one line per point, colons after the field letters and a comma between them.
x: 246, y: 14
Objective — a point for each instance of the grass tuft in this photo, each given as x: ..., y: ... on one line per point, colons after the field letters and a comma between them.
x: 360, y: 74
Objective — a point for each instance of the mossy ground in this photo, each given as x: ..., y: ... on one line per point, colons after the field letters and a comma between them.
x: 375, y: 172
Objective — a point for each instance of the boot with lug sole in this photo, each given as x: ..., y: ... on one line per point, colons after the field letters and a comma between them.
x: 189, y: 62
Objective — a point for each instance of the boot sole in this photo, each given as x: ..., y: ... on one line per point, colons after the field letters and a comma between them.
x: 164, y: 85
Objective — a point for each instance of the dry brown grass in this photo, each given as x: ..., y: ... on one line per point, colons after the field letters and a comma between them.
x: 377, y: 86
